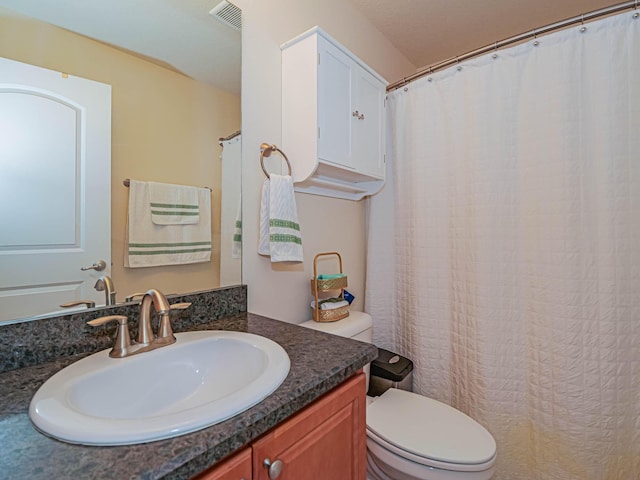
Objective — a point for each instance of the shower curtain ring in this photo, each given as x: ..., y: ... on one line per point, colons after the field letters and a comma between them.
x: 583, y: 28
x: 535, y: 38
x: 495, y: 51
x: 430, y: 78
x: 458, y: 62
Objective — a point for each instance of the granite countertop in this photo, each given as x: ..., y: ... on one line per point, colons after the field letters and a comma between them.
x: 319, y: 362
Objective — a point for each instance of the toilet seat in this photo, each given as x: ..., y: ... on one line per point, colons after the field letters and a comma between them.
x: 429, y: 432
x: 381, y: 449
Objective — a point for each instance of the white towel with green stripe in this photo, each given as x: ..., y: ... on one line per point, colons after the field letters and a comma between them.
x: 173, y: 204
x: 148, y: 244
x: 236, y: 246
x: 280, y: 236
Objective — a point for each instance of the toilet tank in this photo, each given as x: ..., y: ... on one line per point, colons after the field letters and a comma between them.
x: 357, y: 326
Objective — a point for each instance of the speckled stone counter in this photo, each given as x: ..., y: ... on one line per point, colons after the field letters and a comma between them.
x: 47, y: 338
x: 319, y: 362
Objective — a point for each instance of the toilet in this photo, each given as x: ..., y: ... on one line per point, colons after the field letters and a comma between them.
x: 412, y: 437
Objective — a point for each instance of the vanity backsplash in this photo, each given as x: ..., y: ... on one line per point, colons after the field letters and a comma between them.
x: 46, y: 339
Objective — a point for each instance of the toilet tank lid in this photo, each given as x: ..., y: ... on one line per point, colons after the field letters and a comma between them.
x: 355, y: 323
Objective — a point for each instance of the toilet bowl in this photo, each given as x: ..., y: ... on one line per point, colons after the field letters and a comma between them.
x: 412, y: 437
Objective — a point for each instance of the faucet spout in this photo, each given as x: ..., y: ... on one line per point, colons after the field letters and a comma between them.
x: 105, y: 284
x: 160, y: 304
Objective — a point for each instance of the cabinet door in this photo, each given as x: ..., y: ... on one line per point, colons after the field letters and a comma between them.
x: 368, y: 126
x: 334, y: 104
x: 326, y: 440
x: 236, y: 467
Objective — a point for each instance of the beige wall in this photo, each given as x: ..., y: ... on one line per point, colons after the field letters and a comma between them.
x: 165, y: 128
x: 277, y: 290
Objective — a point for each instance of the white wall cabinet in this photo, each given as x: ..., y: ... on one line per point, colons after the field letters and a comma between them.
x: 333, y: 114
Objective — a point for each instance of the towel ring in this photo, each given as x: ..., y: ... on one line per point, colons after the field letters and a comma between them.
x: 265, y: 151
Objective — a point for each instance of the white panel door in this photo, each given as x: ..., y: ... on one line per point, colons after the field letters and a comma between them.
x: 55, y: 164
x: 368, y: 126
x: 334, y: 104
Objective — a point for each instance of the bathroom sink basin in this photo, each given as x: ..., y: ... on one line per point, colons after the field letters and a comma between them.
x: 202, y: 379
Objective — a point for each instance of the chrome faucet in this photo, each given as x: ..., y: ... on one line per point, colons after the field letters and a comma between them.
x: 105, y: 283
x: 146, y: 340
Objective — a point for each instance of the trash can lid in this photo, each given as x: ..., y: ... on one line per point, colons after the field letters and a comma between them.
x: 391, y: 366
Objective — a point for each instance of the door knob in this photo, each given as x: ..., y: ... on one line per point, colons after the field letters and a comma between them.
x: 97, y: 266
x: 275, y: 468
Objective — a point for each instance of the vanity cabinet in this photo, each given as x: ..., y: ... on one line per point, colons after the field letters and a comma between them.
x: 333, y: 112
x: 327, y: 439
x: 236, y: 467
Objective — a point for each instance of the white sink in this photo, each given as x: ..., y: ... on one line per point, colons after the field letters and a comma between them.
x: 202, y: 379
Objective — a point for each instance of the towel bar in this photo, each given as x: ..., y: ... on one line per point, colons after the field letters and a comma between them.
x: 265, y: 151
x: 126, y: 182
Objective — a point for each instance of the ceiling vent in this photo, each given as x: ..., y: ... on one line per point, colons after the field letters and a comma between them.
x: 228, y: 14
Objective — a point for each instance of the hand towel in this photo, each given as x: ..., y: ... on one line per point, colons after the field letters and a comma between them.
x: 236, y: 248
x: 173, y: 204
x: 280, y: 235
x: 148, y: 244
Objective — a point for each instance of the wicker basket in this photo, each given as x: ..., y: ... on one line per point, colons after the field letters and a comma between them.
x: 325, y: 285
x: 332, y: 315
x: 328, y: 284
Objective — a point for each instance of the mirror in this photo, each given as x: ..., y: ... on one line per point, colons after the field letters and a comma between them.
x: 175, y: 79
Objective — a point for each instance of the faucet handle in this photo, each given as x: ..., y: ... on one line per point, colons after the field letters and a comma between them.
x: 88, y: 303
x: 121, y: 319
x: 123, y: 342
x: 180, y: 306
x: 133, y: 296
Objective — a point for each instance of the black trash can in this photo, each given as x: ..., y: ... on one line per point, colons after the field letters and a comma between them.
x: 390, y: 370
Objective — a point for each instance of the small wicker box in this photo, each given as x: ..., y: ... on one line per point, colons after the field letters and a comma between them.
x: 329, y: 284
x: 332, y: 315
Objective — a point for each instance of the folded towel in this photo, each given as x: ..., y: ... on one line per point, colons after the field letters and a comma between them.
x: 173, y: 204
x: 148, y: 244
x: 279, y: 229
x: 330, y: 304
x: 325, y: 276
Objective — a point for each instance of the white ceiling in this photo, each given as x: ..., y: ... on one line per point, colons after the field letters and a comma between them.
x: 430, y: 31
x: 182, y: 34
x: 179, y: 33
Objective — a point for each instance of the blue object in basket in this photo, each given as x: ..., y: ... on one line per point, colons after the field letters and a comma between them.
x: 348, y: 297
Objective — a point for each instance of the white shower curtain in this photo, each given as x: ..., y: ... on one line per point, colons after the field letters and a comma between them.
x: 511, y: 275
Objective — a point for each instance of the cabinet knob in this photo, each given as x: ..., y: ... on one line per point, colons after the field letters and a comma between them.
x: 358, y: 115
x: 275, y: 468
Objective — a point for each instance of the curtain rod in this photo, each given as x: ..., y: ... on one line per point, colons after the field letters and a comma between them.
x: 517, y: 38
